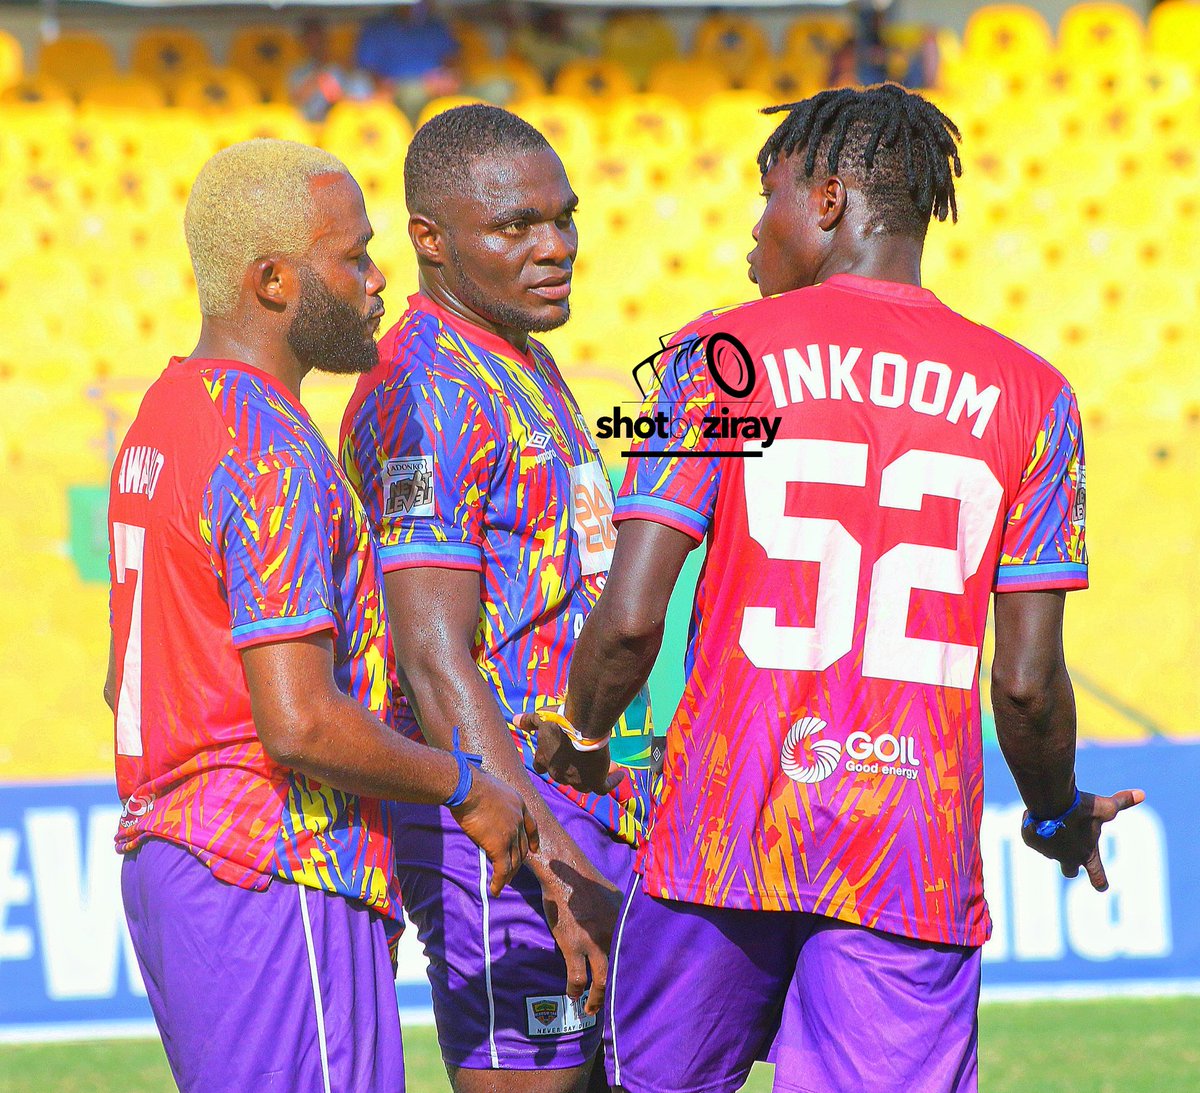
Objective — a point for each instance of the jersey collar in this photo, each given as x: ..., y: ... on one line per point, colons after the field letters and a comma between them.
x: 199, y: 364
x: 476, y: 335
x: 888, y: 290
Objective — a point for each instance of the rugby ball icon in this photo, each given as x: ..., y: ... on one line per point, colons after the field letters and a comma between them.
x: 822, y: 755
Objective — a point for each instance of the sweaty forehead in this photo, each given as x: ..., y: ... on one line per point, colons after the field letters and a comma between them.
x: 531, y: 179
x: 341, y: 214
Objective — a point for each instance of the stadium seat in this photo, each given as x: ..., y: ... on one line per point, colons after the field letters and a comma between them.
x: 367, y: 134
x: 266, y: 120
x: 689, y: 81
x: 473, y: 45
x: 76, y: 60
x: 37, y: 91
x: 166, y: 55
x: 733, y: 43
x: 638, y: 40
x: 266, y: 55
x: 1007, y: 36
x: 12, y: 60
x: 655, y: 129
x: 445, y: 102
x: 732, y: 125
x: 570, y: 127
x: 788, y: 78
x: 601, y: 80
x: 504, y: 80
x: 128, y: 91
x: 1174, y: 31
x: 217, y: 89
x: 809, y: 34
x: 1100, y: 30
x: 343, y: 39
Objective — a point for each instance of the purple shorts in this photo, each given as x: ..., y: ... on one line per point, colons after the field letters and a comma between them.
x: 696, y: 994
x: 499, y: 981
x: 288, y: 989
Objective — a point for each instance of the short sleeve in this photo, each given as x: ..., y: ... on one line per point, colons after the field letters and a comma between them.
x: 422, y: 455
x: 270, y: 546
x: 1043, y: 544
x: 672, y: 479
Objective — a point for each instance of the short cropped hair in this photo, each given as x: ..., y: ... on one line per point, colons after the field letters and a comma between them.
x: 441, y: 153
x: 250, y: 200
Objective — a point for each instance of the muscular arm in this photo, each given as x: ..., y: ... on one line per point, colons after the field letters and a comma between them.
x: 435, y: 614
x: 621, y: 638
x: 306, y: 723
x: 1033, y: 701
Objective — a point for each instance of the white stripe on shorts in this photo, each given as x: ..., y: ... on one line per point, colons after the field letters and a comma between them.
x: 316, y: 986
x: 612, y: 979
x: 487, y: 958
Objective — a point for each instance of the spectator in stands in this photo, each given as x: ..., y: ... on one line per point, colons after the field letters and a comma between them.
x: 546, y: 39
x: 925, y: 62
x: 411, y: 54
x: 318, y: 84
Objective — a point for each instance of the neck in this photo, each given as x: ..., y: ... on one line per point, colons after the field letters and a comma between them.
x: 879, y: 257
x: 231, y: 338
x: 438, y: 291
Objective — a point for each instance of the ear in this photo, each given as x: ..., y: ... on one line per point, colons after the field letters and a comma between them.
x: 274, y: 282
x: 831, y: 203
x: 428, y: 239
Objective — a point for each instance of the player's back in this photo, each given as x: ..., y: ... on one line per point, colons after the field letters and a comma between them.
x: 826, y: 755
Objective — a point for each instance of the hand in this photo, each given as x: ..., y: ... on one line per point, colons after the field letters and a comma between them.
x: 586, y: 771
x: 1077, y: 844
x: 497, y: 821
x: 581, y: 911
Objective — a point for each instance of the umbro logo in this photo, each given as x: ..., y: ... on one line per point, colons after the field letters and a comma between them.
x: 539, y: 440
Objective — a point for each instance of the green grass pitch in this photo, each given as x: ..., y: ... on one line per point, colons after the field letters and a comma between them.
x: 1126, y: 1046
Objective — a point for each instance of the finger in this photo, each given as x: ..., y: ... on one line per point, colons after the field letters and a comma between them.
x: 595, y: 998
x: 522, y: 844
x: 1069, y: 870
x: 576, y: 975
x: 614, y: 779
x: 502, y: 872
x: 1095, y: 871
x: 1127, y: 798
x: 531, y: 831
x: 541, y: 764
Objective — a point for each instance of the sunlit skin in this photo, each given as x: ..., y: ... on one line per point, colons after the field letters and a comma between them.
x: 501, y: 255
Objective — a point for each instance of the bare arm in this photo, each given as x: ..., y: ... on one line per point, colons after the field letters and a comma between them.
x: 110, y: 680
x: 305, y: 722
x: 435, y: 613
x: 1034, y: 706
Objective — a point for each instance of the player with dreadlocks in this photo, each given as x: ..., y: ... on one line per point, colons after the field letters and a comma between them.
x: 811, y: 877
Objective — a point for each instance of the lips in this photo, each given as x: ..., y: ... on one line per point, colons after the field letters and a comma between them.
x: 557, y: 289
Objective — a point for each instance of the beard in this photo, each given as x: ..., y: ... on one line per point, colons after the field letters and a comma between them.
x: 498, y: 311
x: 328, y: 334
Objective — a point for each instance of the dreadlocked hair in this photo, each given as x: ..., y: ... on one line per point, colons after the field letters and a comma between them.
x: 900, y: 149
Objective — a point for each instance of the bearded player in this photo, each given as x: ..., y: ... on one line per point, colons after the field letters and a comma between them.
x: 493, y: 509
x: 812, y: 873
x: 250, y: 659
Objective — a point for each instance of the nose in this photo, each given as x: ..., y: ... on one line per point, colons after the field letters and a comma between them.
x: 557, y: 245
x: 376, y: 282
x: 756, y: 229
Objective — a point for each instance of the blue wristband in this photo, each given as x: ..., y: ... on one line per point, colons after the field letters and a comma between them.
x: 466, y: 760
x: 1046, y: 829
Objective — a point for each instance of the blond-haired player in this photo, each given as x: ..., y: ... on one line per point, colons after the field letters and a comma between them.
x: 250, y: 668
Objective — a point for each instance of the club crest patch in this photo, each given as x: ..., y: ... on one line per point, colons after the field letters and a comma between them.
x: 556, y: 1015
x: 408, y: 486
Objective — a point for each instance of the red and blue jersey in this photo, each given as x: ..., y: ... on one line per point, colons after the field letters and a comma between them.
x: 866, y: 475
x: 471, y: 455
x: 231, y: 525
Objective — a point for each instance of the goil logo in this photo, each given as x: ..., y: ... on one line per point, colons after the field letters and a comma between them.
x: 812, y: 761
x: 887, y: 748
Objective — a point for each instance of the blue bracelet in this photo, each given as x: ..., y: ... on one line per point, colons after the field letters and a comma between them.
x: 466, y: 760
x: 1046, y: 829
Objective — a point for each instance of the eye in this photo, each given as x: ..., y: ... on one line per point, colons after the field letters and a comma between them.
x: 516, y: 227
x: 566, y: 220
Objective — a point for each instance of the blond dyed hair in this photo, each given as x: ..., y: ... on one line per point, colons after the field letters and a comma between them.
x: 249, y: 201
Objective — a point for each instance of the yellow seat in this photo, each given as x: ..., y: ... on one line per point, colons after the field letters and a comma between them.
x: 789, y: 78
x: 1007, y: 36
x: 1174, y: 31
x: 734, y: 43
x: 128, y: 91
x: 267, y: 120
x: 655, y: 129
x: 638, y: 40
x: 593, y: 79
x: 567, y: 124
x: 217, y: 89
x: 442, y: 104
x: 1100, y: 30
x: 815, y: 34
x: 732, y: 124
x: 76, y: 60
x: 507, y: 79
x: 12, y: 60
x: 342, y: 39
x: 166, y: 55
x: 367, y: 135
x: 473, y: 45
x: 37, y: 91
x: 690, y: 81
x: 266, y: 55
